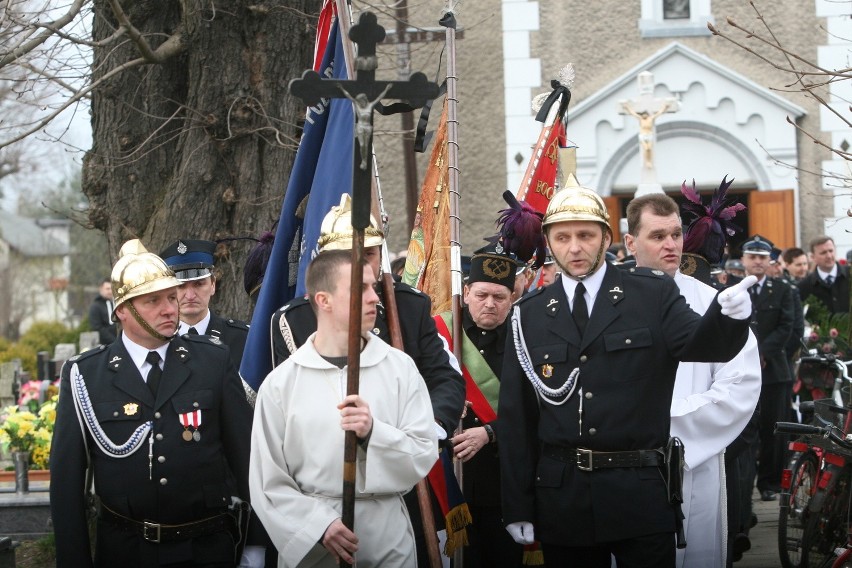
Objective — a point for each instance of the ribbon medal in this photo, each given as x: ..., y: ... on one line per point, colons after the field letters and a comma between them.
x: 191, y: 420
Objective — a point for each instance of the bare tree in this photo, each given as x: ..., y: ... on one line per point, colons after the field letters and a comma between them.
x: 806, y: 77
x: 193, y: 129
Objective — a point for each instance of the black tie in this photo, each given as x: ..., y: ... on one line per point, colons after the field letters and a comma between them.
x: 155, y: 373
x: 829, y: 279
x: 580, y: 310
x: 192, y: 331
x: 755, y: 292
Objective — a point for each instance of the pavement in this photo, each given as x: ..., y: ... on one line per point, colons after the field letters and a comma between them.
x: 764, y: 536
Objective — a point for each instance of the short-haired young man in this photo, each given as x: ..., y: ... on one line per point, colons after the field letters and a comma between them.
x: 829, y: 282
x: 301, y: 415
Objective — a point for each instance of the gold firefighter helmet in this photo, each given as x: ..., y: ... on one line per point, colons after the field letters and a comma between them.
x: 336, y: 228
x: 576, y: 203
x: 139, y: 272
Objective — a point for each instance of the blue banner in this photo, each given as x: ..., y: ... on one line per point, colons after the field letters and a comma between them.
x: 322, y: 171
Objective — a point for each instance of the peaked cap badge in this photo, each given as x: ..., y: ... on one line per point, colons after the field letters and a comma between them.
x: 181, y: 248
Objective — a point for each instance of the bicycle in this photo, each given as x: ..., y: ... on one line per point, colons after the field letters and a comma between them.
x: 823, y: 520
x: 810, y: 465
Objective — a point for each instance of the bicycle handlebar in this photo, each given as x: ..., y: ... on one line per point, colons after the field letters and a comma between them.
x: 827, y: 431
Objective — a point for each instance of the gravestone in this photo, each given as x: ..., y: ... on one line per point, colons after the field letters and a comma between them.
x: 88, y: 340
x: 9, y: 373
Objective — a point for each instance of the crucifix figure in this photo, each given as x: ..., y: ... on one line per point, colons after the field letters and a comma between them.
x: 647, y: 109
x: 364, y: 92
x: 364, y: 120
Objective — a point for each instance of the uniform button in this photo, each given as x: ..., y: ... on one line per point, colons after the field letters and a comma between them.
x: 161, y: 459
x: 115, y: 413
x: 592, y: 431
x: 546, y: 356
x: 482, y: 351
x: 628, y: 341
x: 159, y: 437
x: 589, y: 395
x: 583, y: 358
x: 157, y: 415
x: 482, y: 332
x: 195, y: 405
x: 475, y: 419
x: 163, y: 481
x: 376, y: 331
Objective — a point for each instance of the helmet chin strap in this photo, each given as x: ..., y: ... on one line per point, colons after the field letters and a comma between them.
x: 594, y: 268
x: 147, y: 327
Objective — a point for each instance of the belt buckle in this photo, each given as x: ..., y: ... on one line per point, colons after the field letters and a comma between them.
x: 148, y: 528
x: 584, y: 460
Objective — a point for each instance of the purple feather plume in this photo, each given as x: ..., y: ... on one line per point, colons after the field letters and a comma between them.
x: 707, y: 233
x: 255, y: 266
x: 520, y: 231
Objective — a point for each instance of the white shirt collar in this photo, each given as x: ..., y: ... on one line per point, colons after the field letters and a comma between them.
x: 824, y: 275
x: 200, y: 327
x: 592, y: 283
x: 138, y: 353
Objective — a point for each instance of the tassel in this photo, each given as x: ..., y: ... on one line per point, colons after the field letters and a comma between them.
x: 533, y: 554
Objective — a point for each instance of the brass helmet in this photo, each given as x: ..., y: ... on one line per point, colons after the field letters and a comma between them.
x: 138, y: 272
x: 336, y: 228
x: 576, y: 203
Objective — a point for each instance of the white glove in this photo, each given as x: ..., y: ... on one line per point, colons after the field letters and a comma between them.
x: 521, y: 532
x: 253, y: 557
x: 736, y: 301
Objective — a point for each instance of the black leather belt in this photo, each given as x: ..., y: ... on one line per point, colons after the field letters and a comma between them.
x: 156, y: 532
x: 588, y: 460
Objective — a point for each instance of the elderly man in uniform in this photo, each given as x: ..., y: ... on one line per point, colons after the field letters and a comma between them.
x: 193, y: 263
x: 488, y: 297
x: 296, y: 321
x: 163, y: 426
x: 712, y: 402
x: 586, y: 393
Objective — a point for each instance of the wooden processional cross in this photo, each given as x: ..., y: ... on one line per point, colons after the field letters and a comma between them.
x: 364, y: 92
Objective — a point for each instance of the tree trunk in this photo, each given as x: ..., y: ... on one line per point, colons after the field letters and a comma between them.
x: 201, y: 145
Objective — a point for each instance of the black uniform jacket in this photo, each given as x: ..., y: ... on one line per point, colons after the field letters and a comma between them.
x: 296, y: 321
x: 640, y: 327
x: 482, y: 471
x: 187, y: 480
x: 100, y: 320
x: 835, y: 297
x: 773, y: 318
x: 232, y: 332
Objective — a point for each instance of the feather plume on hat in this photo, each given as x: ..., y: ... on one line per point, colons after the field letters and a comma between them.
x: 519, y: 231
x: 706, y: 234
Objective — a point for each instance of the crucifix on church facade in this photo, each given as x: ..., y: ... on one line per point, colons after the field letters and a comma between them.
x: 364, y: 92
x: 647, y: 109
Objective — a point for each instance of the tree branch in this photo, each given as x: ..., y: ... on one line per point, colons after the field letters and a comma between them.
x: 169, y: 48
x: 21, y: 50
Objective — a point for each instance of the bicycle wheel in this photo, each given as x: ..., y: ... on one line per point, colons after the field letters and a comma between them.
x: 827, y: 528
x: 792, y: 517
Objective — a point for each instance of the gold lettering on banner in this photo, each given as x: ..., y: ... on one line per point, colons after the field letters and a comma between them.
x: 544, y: 188
x: 552, y: 151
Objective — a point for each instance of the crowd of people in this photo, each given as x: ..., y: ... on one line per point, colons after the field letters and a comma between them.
x: 613, y: 406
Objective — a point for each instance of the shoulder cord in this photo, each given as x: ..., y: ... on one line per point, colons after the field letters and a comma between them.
x: 86, y: 417
x: 546, y: 393
x: 287, y: 333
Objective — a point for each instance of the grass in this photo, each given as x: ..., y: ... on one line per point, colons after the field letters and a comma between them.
x: 36, y: 553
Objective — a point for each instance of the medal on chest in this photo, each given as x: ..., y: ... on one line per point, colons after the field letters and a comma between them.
x: 191, y: 420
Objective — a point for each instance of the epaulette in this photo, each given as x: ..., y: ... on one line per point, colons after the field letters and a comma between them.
x: 88, y: 353
x: 204, y: 339
x: 402, y: 287
x: 643, y: 271
x: 237, y: 324
x: 295, y: 302
x: 531, y: 294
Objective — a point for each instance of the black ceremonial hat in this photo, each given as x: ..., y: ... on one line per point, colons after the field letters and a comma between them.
x: 493, y: 264
x: 758, y: 245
